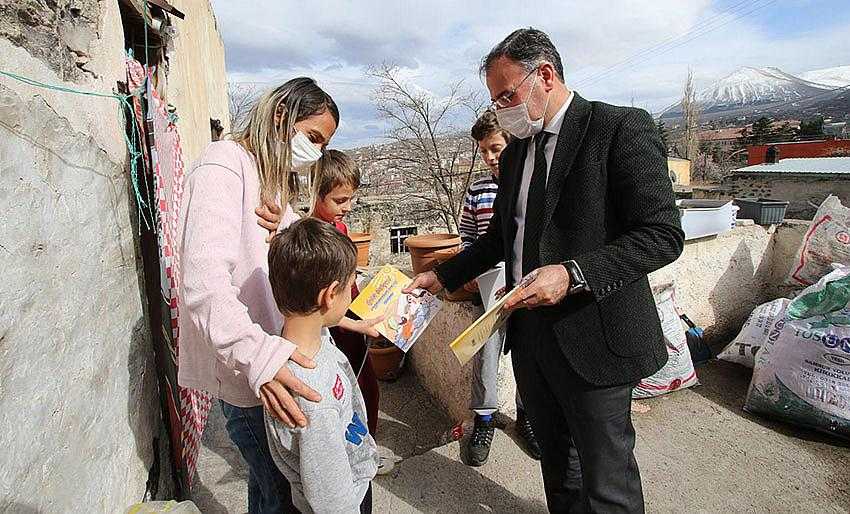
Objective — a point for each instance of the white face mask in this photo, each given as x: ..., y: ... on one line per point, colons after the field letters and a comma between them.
x: 517, y: 121
x: 304, y: 152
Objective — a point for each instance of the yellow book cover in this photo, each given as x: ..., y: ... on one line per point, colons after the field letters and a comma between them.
x: 471, y: 340
x: 407, y: 315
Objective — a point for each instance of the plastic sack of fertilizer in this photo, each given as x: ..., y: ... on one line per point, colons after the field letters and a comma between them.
x: 743, y: 349
x: 827, y: 241
x: 679, y: 371
x: 802, y: 372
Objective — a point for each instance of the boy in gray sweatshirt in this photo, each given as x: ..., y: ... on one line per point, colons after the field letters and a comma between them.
x: 330, y: 463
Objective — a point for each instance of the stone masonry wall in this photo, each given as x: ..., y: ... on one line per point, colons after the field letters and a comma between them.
x: 801, y: 192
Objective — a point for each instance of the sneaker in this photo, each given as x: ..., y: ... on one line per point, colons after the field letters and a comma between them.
x: 527, y: 433
x: 385, y: 466
x: 480, y: 441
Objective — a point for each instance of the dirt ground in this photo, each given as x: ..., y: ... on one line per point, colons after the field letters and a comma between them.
x: 698, y: 452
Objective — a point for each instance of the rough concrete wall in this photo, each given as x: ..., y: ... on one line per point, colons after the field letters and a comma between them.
x: 78, y: 400
x: 799, y: 191
x: 719, y: 280
x: 197, y: 80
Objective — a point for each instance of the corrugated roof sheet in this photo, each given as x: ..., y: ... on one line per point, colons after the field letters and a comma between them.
x: 814, y: 166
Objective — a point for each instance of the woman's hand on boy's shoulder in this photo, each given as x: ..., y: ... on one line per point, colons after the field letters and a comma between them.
x: 277, y: 394
x: 269, y: 215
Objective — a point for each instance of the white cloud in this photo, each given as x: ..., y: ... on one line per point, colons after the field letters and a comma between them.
x: 439, y: 42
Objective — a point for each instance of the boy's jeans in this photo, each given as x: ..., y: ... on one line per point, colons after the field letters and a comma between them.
x: 268, y: 489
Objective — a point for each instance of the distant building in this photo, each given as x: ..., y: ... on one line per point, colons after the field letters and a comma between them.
x: 837, y: 129
x: 728, y: 138
x: 805, y: 183
x: 725, y: 138
x: 797, y: 149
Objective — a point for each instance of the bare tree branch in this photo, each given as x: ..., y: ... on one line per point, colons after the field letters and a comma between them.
x: 424, y: 150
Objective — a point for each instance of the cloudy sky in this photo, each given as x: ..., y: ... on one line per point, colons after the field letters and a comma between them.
x: 620, y: 51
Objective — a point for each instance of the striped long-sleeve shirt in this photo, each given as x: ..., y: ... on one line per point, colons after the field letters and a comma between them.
x: 477, y: 209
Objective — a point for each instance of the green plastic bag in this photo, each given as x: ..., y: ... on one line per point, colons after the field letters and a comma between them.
x: 830, y: 294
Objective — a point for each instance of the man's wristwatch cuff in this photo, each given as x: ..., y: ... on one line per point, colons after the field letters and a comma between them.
x: 577, y: 280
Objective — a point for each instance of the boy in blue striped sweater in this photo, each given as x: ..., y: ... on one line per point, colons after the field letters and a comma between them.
x: 475, y: 218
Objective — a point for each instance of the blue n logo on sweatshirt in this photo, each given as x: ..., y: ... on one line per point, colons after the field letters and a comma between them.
x: 355, y: 431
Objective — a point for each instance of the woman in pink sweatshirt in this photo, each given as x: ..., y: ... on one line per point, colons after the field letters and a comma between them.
x: 229, y: 323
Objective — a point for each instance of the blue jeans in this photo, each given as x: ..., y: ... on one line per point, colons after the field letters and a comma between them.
x: 268, y: 489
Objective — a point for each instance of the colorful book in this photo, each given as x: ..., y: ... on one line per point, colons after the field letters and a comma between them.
x: 407, y: 315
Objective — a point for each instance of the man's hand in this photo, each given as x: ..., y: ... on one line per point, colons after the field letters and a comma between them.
x: 549, y: 287
x: 427, y: 280
x: 277, y: 393
x: 362, y: 326
x: 269, y: 218
x: 471, y: 286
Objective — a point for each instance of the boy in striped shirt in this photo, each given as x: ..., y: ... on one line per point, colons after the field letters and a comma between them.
x: 475, y: 218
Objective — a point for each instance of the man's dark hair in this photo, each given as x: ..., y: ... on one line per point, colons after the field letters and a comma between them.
x: 305, y: 258
x: 529, y: 47
x: 486, y: 124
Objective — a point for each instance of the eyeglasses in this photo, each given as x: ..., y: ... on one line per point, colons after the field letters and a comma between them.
x: 505, y: 99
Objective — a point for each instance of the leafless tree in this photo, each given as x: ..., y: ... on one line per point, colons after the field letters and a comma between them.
x: 689, y: 143
x: 433, y: 164
x: 240, y: 96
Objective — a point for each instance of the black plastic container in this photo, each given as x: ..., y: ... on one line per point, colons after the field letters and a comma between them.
x: 763, y: 211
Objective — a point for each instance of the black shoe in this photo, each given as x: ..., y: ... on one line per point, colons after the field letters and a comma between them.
x: 527, y: 433
x: 480, y: 441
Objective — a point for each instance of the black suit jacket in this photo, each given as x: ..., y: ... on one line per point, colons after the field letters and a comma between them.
x: 610, y: 207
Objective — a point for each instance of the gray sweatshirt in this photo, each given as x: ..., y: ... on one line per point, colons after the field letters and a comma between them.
x: 332, y: 461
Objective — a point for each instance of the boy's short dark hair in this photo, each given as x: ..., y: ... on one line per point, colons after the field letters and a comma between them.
x: 334, y: 169
x: 486, y: 124
x: 305, y: 258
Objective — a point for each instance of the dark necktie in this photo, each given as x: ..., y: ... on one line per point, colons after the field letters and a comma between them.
x: 535, y: 207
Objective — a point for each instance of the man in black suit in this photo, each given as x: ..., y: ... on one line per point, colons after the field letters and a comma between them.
x: 586, y: 208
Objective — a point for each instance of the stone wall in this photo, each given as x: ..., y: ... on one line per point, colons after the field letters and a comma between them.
x: 79, y: 406
x: 719, y: 280
x: 801, y: 192
x: 377, y: 215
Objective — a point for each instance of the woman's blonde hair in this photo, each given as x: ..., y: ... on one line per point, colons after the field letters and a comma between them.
x: 268, y: 141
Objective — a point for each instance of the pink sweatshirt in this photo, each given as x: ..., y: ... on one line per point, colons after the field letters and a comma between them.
x: 228, y: 317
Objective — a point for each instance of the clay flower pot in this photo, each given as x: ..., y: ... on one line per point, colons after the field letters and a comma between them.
x: 361, y: 240
x: 425, y: 249
x: 387, y: 359
x: 461, y: 295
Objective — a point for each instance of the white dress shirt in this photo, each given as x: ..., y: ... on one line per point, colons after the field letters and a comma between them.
x: 553, y: 127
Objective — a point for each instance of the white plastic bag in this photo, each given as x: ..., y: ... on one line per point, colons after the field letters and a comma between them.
x: 743, y: 349
x: 827, y: 241
x: 802, y: 372
x: 679, y: 371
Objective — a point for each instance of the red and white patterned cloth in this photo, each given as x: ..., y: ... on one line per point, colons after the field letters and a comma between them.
x: 166, y: 157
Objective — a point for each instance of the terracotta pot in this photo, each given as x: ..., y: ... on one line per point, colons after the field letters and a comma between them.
x: 361, y: 240
x: 424, y: 249
x: 461, y: 295
x: 386, y: 361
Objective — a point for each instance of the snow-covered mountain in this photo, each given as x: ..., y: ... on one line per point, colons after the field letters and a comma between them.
x: 753, y: 86
x: 832, y: 77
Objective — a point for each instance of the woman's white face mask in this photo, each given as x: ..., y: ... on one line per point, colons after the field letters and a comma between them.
x: 517, y: 121
x: 304, y: 152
